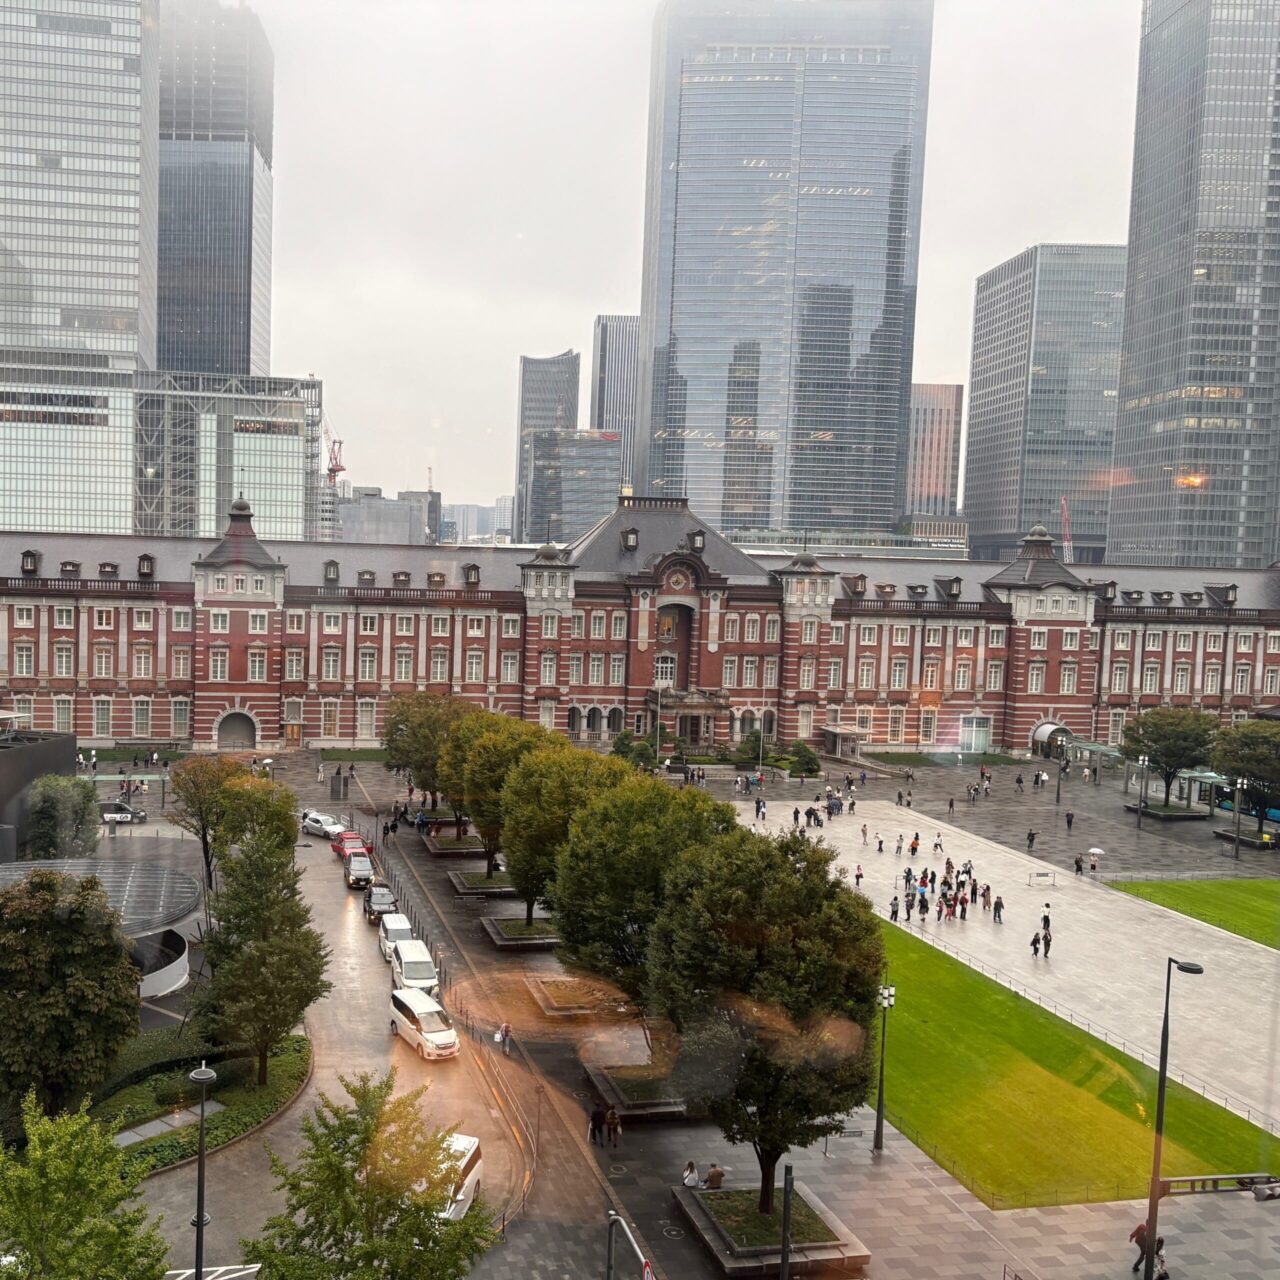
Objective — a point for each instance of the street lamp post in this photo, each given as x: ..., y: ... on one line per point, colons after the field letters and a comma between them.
x: 1240, y: 784
x: 1142, y: 787
x: 203, y: 1076
x: 1057, y: 795
x: 1153, y: 1202
x: 885, y: 1000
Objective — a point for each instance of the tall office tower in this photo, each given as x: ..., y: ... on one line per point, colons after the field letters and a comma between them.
x: 933, y: 464
x: 216, y: 112
x: 503, y: 512
x: 614, y: 371
x: 786, y: 153
x: 1042, y: 397
x: 571, y: 482
x: 78, y: 97
x: 1197, y: 455
x: 548, y: 402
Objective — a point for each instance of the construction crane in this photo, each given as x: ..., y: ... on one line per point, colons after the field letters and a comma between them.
x: 334, y: 445
x: 1068, y: 553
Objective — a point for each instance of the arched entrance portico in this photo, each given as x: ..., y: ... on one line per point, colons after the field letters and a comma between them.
x: 1049, y: 739
x: 237, y: 732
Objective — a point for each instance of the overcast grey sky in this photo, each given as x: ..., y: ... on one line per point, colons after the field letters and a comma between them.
x: 458, y: 182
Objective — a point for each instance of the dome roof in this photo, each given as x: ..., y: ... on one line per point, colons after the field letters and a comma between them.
x: 548, y: 551
x: 241, y: 506
x: 1038, y: 531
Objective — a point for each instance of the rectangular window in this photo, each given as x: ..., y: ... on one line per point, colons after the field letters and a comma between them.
x: 618, y: 626
x: 331, y: 624
x: 102, y: 718
x: 898, y: 674
x: 930, y: 674
x: 368, y: 624
x: 219, y: 621
x: 964, y: 637
x: 475, y: 665
x: 809, y: 631
x: 577, y: 627
x: 475, y: 624
x: 750, y: 672
x: 807, y: 673
x: 1155, y: 641
x: 1071, y: 640
x: 862, y: 721
x: 259, y: 584
x: 329, y: 720
x: 597, y: 626
x: 143, y: 619
x: 1041, y: 605
x: 439, y: 665
x: 933, y: 635
x: 1035, y: 678
x: 1243, y: 679
x: 550, y: 626
x: 104, y: 619
x: 293, y: 664
x: 1213, y: 679
x: 510, y: 668
x: 1182, y: 679
x: 729, y: 674
x: 995, y: 676
x: 731, y: 624
x: 64, y: 658
x: 771, y: 673
x: 964, y: 677
x: 928, y: 726
x: 772, y: 629
x: 511, y: 626
x: 1213, y: 642
x: 1151, y: 678
x: 217, y: 664
x: 62, y: 715
x: 1115, y: 729
x: 596, y: 667
x: 220, y: 582
x: 1121, y: 640
x: 1119, y: 677
x: 257, y: 623
x: 1271, y: 680
x: 237, y: 582
x: 24, y: 615
x: 295, y: 623
x: 752, y: 630
x: 180, y: 620
x: 548, y: 672
x: 330, y: 664
x: 366, y: 720
x: 1273, y: 641
x: 24, y: 660
x: 897, y: 722
x: 257, y: 664
x: 1067, y: 679
x: 64, y: 617
x: 901, y: 635
x: 1055, y: 604
x: 1073, y: 604
x: 866, y: 634
x: 368, y: 659
x: 142, y: 662
x: 439, y: 624
x: 617, y: 669
x: 834, y: 673
x: 867, y: 673
x: 404, y: 664
x: 103, y: 662
x: 142, y: 719
x: 575, y: 668
x: 804, y: 722
x: 547, y: 713
x: 1039, y: 638
x: 1244, y: 642
x: 995, y: 637
x: 1182, y: 641
x: 837, y: 633
x: 180, y: 713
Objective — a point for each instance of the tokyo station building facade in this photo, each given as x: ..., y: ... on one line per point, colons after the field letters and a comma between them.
x: 243, y: 644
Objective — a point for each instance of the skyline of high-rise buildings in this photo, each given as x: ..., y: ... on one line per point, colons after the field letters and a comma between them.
x: 933, y: 462
x: 786, y: 155
x: 547, y: 401
x: 1042, y: 397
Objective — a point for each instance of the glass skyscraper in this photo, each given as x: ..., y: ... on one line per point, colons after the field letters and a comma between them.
x: 548, y: 401
x: 216, y: 124
x: 1197, y: 452
x: 933, y: 465
x: 78, y: 106
x: 1042, y: 397
x: 786, y: 150
x: 615, y: 358
x: 571, y: 482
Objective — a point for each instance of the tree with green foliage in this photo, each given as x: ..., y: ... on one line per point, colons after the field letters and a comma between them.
x: 68, y: 990
x: 768, y: 964
x: 63, y: 819
x: 64, y: 1205
x: 256, y: 808
x: 367, y: 1197
x: 747, y: 752
x: 1251, y: 751
x: 199, y: 800
x: 804, y: 760
x: 609, y: 881
x: 1172, y: 739
x: 623, y: 742
x: 494, y: 753
x: 267, y: 961
x: 414, y: 734
x: 543, y: 793
x: 642, y: 754
x: 451, y: 766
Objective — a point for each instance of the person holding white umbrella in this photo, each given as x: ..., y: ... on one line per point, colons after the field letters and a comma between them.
x: 1094, y: 855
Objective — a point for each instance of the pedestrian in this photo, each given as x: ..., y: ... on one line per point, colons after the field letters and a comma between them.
x: 942, y: 898
x: 986, y: 788
x: 1031, y: 840
x: 1071, y: 817
x: 937, y: 842
x: 997, y: 910
x: 596, y: 1132
x: 320, y: 772
x: 893, y: 910
x: 1048, y: 942
x: 862, y: 778
x: 1035, y: 947
x: 1138, y: 1236
x: 395, y: 826
x: 879, y: 843
x: 964, y: 905
x: 933, y: 881
x: 1017, y: 782
x: 915, y: 844
x: 351, y: 769
x: 1093, y: 862
x: 1161, y: 1267
x: 911, y: 903
x: 795, y: 816
x: 857, y: 877
x: 899, y: 795
x: 864, y: 834
x: 504, y: 1036
x: 1044, y: 919
x: 897, y: 849
x: 689, y: 1178
x: 613, y: 1126
x: 386, y: 832
x: 715, y: 1177
x: 1079, y: 865
x: 908, y: 799
x: 951, y: 807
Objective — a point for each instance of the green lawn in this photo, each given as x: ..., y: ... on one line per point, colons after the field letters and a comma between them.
x: 1250, y: 908
x: 1029, y: 1109
x: 375, y: 755
x: 512, y: 928
x: 739, y: 1217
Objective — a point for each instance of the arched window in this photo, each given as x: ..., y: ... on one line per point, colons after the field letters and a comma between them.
x: 594, y: 720
x: 748, y: 723
x: 767, y: 724
x: 575, y: 720
x: 615, y: 720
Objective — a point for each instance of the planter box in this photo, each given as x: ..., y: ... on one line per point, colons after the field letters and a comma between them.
x: 1172, y: 814
x: 1269, y: 840
x: 445, y: 847
x: 482, y: 888
x: 632, y: 1111
x: 503, y: 943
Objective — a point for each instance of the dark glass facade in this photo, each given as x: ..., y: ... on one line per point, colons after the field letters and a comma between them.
x: 1042, y: 397
x: 548, y: 401
x: 216, y: 81
x: 786, y: 150
x: 1197, y: 452
x: 614, y: 370
x: 571, y: 483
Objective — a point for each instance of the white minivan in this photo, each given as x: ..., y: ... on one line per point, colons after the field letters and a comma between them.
x: 466, y: 1186
x: 392, y: 928
x: 412, y: 966
x: 423, y: 1024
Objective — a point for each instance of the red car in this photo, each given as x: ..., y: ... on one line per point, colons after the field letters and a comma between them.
x: 350, y: 842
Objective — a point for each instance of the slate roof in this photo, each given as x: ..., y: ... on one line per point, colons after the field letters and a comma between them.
x: 1036, y: 565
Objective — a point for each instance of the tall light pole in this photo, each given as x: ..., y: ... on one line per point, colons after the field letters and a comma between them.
x: 203, y: 1076
x: 1142, y: 787
x: 1153, y: 1203
x: 1240, y: 785
x: 885, y: 1000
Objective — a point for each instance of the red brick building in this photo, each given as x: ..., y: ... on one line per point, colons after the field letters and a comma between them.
x: 270, y: 645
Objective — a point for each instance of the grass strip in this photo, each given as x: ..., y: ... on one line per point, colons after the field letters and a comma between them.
x: 518, y: 929
x: 1249, y: 908
x: 738, y: 1216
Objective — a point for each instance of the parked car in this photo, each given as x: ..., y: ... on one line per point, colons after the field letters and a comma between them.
x: 466, y: 1186
x: 349, y: 842
x: 118, y: 811
x: 358, y: 871
x: 379, y: 902
x: 412, y: 966
x: 423, y: 1024
x: 392, y: 928
x: 315, y: 823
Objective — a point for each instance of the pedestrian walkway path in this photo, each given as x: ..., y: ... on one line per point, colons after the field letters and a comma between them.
x: 166, y: 1124
x: 1109, y: 953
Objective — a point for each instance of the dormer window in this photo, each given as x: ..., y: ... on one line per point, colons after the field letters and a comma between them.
x: 108, y: 569
x: 953, y: 588
x: 1231, y: 593
x: 331, y: 571
x: 1193, y: 597
x: 30, y: 561
x: 1162, y: 597
x: 435, y: 579
x: 858, y: 584
x: 886, y: 588
x: 630, y: 539
x: 1133, y: 596
x: 146, y: 566
x: 366, y: 577
x: 698, y: 541
x: 918, y: 589
x: 70, y: 568
x: 1108, y: 591
x: 400, y: 578
x: 471, y: 574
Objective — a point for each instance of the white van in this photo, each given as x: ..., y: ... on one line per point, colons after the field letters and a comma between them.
x: 466, y: 1186
x: 423, y: 1024
x: 392, y: 928
x: 412, y: 966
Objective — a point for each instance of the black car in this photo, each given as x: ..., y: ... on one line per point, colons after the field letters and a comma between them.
x: 379, y: 901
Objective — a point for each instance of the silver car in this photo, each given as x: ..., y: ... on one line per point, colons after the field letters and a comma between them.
x: 315, y: 823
